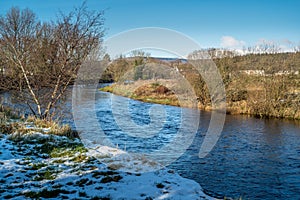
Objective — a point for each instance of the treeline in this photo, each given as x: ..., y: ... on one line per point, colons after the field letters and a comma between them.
x: 263, y: 85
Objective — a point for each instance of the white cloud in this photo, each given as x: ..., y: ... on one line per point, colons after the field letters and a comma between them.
x: 231, y: 43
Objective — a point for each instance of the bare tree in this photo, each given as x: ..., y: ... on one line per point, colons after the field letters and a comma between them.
x: 297, y: 48
x: 41, y: 60
x: 268, y: 47
x: 140, y: 53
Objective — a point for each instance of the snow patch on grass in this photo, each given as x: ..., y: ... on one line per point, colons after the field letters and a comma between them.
x: 36, y: 165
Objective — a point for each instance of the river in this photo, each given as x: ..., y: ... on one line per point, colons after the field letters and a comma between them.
x: 253, y: 159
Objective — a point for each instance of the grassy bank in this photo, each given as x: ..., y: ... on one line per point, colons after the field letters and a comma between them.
x: 154, y: 92
x: 12, y: 123
x: 261, y: 85
x: 146, y: 91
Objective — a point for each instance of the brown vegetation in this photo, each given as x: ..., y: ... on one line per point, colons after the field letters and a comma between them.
x: 147, y: 91
x: 263, y: 85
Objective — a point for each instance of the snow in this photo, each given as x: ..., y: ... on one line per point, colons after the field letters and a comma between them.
x: 5, y: 152
x: 48, y: 166
x: 105, y: 151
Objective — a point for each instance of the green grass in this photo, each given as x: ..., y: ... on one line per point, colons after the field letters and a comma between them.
x: 155, y: 85
x: 45, y: 175
x: 107, y: 89
x: 59, y: 152
x: 37, y: 166
x: 80, y: 158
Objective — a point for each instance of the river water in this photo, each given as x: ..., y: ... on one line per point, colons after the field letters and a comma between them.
x: 253, y: 159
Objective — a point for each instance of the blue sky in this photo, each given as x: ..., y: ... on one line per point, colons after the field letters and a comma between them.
x: 212, y: 23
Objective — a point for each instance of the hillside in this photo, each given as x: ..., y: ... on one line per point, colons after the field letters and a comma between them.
x: 263, y: 85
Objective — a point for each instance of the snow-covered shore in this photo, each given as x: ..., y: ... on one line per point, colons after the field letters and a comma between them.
x: 36, y: 165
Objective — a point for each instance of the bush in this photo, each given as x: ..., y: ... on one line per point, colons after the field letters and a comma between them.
x: 235, y: 96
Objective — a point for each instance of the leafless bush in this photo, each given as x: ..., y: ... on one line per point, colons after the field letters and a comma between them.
x: 39, y: 60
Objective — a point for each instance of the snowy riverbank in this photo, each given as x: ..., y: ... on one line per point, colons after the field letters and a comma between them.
x: 36, y: 165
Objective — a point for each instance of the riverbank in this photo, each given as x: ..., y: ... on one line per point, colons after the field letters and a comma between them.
x: 37, y: 162
x: 157, y: 91
x: 261, y: 85
x: 146, y: 91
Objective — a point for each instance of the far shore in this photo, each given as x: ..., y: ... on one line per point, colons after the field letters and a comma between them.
x: 156, y: 91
